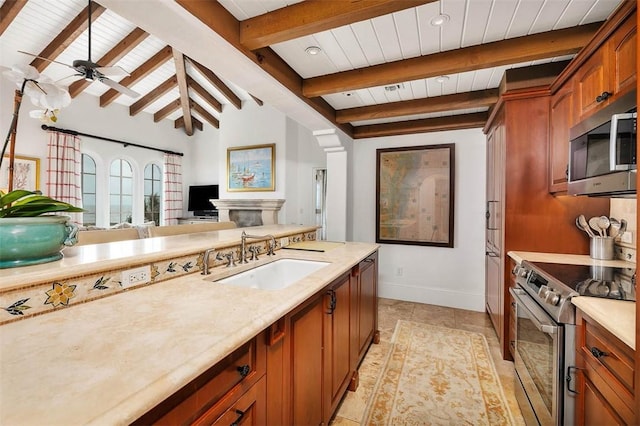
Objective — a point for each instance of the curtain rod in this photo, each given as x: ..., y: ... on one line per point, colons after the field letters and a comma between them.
x: 126, y: 144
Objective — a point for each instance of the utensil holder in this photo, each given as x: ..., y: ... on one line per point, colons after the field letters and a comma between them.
x: 602, y: 248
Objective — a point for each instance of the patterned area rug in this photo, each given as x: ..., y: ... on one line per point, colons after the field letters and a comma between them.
x: 438, y: 376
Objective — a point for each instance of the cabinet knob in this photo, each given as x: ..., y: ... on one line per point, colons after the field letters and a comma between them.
x: 597, y: 352
x: 603, y: 97
x: 244, y: 370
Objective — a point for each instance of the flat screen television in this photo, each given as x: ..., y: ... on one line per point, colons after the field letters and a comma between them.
x: 199, y: 196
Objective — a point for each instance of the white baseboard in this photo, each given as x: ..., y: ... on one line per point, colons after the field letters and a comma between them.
x: 432, y: 296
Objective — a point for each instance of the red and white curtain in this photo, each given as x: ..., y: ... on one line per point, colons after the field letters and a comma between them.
x: 172, y: 189
x: 64, y: 171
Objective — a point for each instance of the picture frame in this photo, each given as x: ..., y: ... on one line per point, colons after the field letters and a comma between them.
x: 415, y: 195
x: 26, y: 173
x: 251, y: 168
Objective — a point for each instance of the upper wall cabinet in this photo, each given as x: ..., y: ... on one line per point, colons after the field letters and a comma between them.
x: 561, y: 120
x: 609, y: 72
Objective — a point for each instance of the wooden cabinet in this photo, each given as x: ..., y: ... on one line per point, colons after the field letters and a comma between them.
x: 560, y: 122
x: 364, y: 305
x: 337, y: 360
x: 494, y: 223
x: 609, y: 72
x: 606, y: 376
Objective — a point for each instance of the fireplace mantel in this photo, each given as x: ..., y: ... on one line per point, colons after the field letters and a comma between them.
x: 249, y: 212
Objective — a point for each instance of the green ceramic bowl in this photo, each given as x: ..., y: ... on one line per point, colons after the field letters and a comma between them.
x: 32, y: 240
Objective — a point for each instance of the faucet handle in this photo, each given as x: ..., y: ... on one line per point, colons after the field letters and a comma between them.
x: 230, y: 259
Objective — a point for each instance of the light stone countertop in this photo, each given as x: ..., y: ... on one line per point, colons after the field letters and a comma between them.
x: 87, y: 259
x: 111, y: 360
x: 617, y: 316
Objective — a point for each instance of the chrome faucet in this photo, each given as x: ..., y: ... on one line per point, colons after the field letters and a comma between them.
x: 205, y: 261
x: 243, y: 245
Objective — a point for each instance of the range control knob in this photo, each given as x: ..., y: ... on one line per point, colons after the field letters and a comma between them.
x: 543, y: 292
x: 524, y: 273
x: 552, y: 298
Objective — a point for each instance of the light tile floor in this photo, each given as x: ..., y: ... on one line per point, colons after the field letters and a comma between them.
x: 353, y: 406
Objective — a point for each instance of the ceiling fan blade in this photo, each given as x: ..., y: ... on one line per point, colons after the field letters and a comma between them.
x: 115, y: 71
x: 46, y: 59
x: 119, y: 87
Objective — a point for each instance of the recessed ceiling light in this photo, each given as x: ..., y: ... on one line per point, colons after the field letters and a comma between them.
x: 347, y: 94
x: 313, y: 50
x: 442, y: 79
x: 439, y: 20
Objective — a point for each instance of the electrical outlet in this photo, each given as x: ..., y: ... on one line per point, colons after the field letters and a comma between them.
x: 141, y: 275
x: 627, y: 237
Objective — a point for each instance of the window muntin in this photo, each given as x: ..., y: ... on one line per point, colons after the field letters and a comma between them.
x: 152, y: 193
x: 120, y: 192
x: 88, y: 177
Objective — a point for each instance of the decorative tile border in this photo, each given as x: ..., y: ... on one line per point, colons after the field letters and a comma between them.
x: 47, y: 297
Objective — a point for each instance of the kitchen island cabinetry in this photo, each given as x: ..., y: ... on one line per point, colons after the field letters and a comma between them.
x: 605, y: 378
x: 364, y: 305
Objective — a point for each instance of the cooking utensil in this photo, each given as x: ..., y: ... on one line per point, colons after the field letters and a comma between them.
x: 604, y: 223
x: 580, y: 227
x: 615, y: 227
x: 623, y: 227
x: 595, y: 225
x: 585, y: 226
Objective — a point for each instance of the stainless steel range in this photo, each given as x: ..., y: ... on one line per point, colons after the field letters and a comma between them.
x: 545, y: 332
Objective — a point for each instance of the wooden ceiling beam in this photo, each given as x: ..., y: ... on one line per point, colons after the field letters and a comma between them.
x: 218, y: 19
x: 9, y: 11
x: 204, y: 94
x: 163, y: 113
x: 314, y: 16
x: 119, y: 51
x: 505, y: 52
x: 162, y: 89
x: 71, y: 32
x: 454, y: 122
x: 179, y: 122
x: 138, y: 74
x: 205, y: 114
x: 217, y: 83
x: 183, y: 88
x: 475, y: 99
x: 256, y: 100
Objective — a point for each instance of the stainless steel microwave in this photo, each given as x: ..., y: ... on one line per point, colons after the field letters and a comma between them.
x: 602, y: 152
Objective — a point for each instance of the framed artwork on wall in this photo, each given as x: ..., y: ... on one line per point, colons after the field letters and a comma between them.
x: 26, y: 173
x: 415, y: 195
x: 251, y: 168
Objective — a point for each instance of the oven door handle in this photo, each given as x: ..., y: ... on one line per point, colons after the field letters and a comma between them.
x: 534, y: 312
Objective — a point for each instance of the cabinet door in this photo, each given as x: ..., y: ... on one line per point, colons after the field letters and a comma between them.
x: 337, y: 367
x: 494, y: 292
x: 623, y: 51
x: 306, y: 363
x: 368, y: 305
x: 590, y: 82
x: 592, y: 408
x: 248, y: 410
x: 561, y: 120
x: 495, y: 173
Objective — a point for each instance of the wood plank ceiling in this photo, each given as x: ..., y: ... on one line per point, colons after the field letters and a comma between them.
x: 382, y: 69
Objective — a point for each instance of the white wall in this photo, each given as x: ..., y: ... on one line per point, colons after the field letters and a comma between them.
x: 441, y: 276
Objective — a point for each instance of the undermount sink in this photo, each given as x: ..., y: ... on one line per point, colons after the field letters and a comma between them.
x: 276, y: 275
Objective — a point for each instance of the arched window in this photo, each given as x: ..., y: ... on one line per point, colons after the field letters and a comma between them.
x: 120, y: 192
x: 88, y: 190
x: 152, y: 193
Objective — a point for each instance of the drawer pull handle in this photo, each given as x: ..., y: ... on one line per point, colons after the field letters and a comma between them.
x: 597, y: 352
x: 603, y: 97
x: 244, y: 370
x: 239, y: 419
x: 569, y: 379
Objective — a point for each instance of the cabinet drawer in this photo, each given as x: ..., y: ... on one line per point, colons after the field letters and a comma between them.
x: 608, y: 364
x: 249, y: 409
x: 220, y: 385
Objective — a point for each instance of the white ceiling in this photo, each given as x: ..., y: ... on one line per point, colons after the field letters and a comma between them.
x: 400, y: 35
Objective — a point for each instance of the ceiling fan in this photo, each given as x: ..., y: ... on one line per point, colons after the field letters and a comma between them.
x: 91, y: 71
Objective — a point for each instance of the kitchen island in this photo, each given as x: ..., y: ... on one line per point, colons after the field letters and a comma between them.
x: 111, y: 360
